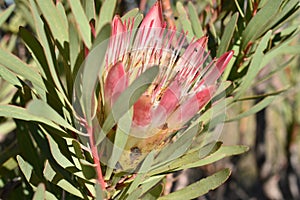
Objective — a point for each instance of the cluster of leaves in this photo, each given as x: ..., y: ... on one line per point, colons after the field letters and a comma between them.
x: 48, y: 159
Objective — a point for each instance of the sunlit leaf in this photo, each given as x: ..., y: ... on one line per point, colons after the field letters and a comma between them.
x: 56, y: 19
x: 196, y: 25
x: 41, y: 109
x: 106, y: 13
x: 184, y: 20
x: 82, y: 22
x: 260, y: 22
x: 227, y: 35
x: 255, y: 65
x: 6, y: 13
x: 199, y: 188
x: 40, y: 192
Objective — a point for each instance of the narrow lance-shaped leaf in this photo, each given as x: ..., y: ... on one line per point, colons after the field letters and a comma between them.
x: 259, y: 106
x: 193, y: 159
x: 185, y: 22
x: 16, y: 112
x: 5, y: 14
x: 82, y: 22
x: 40, y: 192
x: 227, y: 35
x: 222, y: 152
x: 123, y: 129
x: 199, y: 188
x: 9, y: 76
x: 20, y: 68
x: 142, y: 172
x: 196, y: 25
x: 56, y: 20
x: 260, y: 22
x: 47, y: 47
x: 41, y: 109
x: 255, y: 65
x: 106, y: 14
x: 91, y: 70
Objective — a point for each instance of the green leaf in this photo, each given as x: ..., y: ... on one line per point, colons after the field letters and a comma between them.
x: 48, y: 49
x: 37, y: 50
x: 195, y: 20
x: 135, y: 194
x: 127, y: 99
x: 227, y: 35
x: 199, y: 188
x: 91, y: 69
x: 154, y: 193
x: 53, y: 176
x: 40, y: 192
x: 255, y: 65
x: 282, y: 50
x: 99, y: 192
x: 9, y: 76
x: 82, y: 22
x: 106, y: 14
x: 196, y: 159
x: 121, y: 136
x: 74, y: 45
x: 15, y: 65
x: 6, y: 13
x: 259, y: 106
x: 260, y: 23
x: 56, y: 20
x: 25, y: 167
x: 41, y: 109
x: 57, y: 154
x: 178, y: 148
x: 151, y: 182
x: 184, y: 20
x: 222, y: 152
x: 142, y: 172
x: 16, y: 112
x: 130, y: 14
x: 288, y: 10
x: 89, y: 6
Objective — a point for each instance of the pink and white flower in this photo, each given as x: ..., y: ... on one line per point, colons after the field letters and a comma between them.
x: 185, y: 84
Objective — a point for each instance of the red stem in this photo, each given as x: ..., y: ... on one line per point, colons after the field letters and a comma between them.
x: 90, y: 131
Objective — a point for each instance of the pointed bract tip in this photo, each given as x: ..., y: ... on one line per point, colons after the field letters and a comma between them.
x: 224, y: 60
x: 202, y: 41
x: 154, y: 17
x: 117, y: 25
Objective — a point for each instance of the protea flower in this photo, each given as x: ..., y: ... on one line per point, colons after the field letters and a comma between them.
x: 185, y: 84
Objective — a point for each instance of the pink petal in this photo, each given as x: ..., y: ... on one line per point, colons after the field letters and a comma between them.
x: 192, y: 58
x: 141, y: 111
x: 195, y: 50
x: 115, y: 83
x: 117, y: 26
x: 218, y: 69
x: 190, y: 107
x: 154, y: 17
x: 168, y: 103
